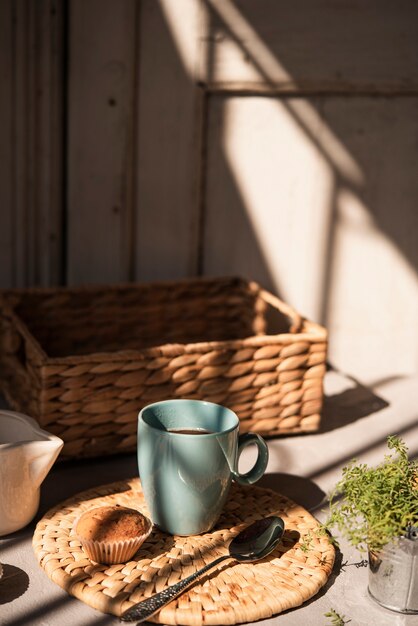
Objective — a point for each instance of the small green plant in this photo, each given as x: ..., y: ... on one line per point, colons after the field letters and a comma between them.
x: 305, y: 543
x: 336, y: 618
x: 371, y: 506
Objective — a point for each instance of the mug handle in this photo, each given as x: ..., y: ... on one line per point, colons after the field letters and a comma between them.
x: 260, y: 466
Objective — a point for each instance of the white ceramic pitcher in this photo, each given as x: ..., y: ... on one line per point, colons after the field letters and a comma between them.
x: 27, y: 453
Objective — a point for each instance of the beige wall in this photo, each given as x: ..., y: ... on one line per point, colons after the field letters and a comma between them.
x: 276, y: 140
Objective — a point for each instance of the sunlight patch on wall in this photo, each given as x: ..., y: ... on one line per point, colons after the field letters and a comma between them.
x: 286, y: 187
x: 262, y: 66
x: 284, y: 195
x: 373, y: 296
x: 184, y: 19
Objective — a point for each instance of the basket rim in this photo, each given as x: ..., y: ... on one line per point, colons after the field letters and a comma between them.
x: 130, y: 285
x: 302, y: 329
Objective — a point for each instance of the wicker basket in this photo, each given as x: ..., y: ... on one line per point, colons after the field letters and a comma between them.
x: 83, y: 361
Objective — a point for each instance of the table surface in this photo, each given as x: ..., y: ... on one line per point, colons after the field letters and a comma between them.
x: 356, y: 421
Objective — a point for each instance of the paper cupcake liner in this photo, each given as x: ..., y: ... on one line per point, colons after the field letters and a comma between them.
x: 113, y: 551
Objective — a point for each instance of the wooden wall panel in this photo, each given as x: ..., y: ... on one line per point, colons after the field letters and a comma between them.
x: 170, y: 123
x: 314, y: 45
x: 50, y: 141
x: 31, y: 58
x: 209, y: 136
x: 102, y: 77
x: 340, y: 248
x: 268, y: 195
x: 371, y: 296
x: 6, y: 148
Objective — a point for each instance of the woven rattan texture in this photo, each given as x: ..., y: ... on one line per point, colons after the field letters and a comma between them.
x: 84, y: 362
x: 235, y: 593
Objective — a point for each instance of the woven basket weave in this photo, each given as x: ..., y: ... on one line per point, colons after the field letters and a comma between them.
x: 84, y: 361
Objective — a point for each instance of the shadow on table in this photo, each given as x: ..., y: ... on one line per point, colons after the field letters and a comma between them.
x: 349, y: 404
x: 67, y: 478
x: 298, y: 488
x: 12, y: 540
x: 39, y: 612
x: 13, y: 583
x: 44, y: 614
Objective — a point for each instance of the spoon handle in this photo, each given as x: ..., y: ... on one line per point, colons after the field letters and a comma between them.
x: 141, y: 611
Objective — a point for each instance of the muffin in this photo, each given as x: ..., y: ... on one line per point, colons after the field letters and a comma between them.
x: 112, y: 534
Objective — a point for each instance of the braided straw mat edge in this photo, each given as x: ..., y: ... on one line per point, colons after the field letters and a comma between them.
x: 234, y: 593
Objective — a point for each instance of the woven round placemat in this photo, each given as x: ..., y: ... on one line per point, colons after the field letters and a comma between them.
x: 233, y: 593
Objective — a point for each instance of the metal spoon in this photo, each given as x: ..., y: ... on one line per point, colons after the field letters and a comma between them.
x: 251, y: 544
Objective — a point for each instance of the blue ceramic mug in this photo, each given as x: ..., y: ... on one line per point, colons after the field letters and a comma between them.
x: 188, y: 452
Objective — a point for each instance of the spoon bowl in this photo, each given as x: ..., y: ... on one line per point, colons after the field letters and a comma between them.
x: 252, y: 544
x: 258, y: 540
